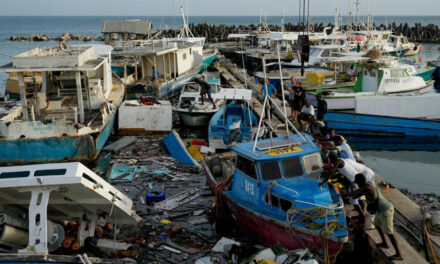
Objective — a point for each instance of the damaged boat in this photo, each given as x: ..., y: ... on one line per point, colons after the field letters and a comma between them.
x: 274, y: 196
x: 71, y: 117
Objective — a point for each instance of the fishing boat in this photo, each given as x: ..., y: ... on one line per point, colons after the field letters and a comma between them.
x: 317, y: 55
x: 191, y: 110
x: 174, y: 62
x: 71, y: 116
x: 377, y: 80
x: 274, y: 195
x: 275, y: 186
x: 232, y: 123
x: 354, y: 124
x: 208, y: 58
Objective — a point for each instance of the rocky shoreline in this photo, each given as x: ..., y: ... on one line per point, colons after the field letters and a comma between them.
x: 217, y: 33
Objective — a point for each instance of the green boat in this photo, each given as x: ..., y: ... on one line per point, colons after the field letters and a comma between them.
x: 208, y: 58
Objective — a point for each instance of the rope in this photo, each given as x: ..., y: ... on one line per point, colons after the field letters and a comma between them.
x: 218, y: 189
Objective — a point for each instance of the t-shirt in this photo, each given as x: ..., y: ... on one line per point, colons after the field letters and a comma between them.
x: 351, y: 168
x: 205, y: 86
x: 291, y: 92
x: 345, y: 151
x: 316, y: 129
x: 270, y: 89
x: 322, y: 108
x: 308, y: 110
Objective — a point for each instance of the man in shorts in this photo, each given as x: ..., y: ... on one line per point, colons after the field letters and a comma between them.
x: 382, y: 208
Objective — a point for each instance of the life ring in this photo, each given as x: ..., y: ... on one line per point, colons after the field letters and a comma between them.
x: 155, y: 196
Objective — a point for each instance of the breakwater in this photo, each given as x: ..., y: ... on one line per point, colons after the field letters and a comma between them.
x: 218, y: 33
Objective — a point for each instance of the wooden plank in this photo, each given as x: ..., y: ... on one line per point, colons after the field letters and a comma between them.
x: 120, y: 144
x: 409, y: 254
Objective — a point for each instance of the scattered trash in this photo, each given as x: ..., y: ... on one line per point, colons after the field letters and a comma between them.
x: 111, y: 245
x: 219, y: 247
x: 178, y: 200
x: 155, y: 196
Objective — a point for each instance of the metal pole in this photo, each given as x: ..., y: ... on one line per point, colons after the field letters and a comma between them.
x: 23, y: 96
x: 80, y: 97
x: 282, y: 88
x: 267, y: 95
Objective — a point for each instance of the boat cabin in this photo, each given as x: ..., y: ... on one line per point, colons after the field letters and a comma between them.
x: 388, y: 80
x: 282, y: 176
x: 76, y: 92
x: 163, y: 63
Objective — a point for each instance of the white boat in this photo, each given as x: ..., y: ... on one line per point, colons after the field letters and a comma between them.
x: 318, y: 54
x: 378, y: 81
x: 190, y: 108
x: 71, y: 116
x: 175, y: 63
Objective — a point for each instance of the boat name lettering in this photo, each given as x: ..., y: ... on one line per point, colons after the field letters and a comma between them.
x: 282, y: 151
x: 249, y: 188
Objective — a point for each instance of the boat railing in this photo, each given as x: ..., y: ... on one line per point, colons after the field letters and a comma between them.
x: 328, y: 210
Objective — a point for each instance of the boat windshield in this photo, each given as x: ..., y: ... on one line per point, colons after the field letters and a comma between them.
x: 292, y: 167
x: 247, y: 167
x: 312, y: 163
x: 270, y: 170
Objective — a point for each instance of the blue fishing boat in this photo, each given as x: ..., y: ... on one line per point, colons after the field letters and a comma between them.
x: 384, y: 126
x: 275, y: 197
x: 68, y: 118
x: 363, y: 143
x: 233, y: 122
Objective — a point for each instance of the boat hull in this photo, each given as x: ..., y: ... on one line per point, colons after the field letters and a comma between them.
x: 426, y: 75
x: 372, y: 125
x: 172, y: 87
x: 81, y: 148
x: 271, y: 232
x: 195, y: 119
x: 207, y: 61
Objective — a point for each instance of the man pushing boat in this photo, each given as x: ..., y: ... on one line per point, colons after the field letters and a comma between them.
x: 382, y: 208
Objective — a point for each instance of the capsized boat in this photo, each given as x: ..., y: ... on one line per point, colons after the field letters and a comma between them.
x: 275, y: 198
x: 232, y: 123
x: 190, y: 108
x: 71, y: 117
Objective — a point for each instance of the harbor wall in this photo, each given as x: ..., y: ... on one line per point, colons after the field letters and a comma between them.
x: 217, y: 33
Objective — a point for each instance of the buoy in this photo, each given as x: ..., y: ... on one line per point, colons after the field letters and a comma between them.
x: 387, y: 189
x: 421, y: 47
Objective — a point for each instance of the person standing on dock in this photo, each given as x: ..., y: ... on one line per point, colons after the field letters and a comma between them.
x: 205, y: 89
x: 322, y: 107
x: 382, y: 208
x: 271, y: 90
x: 291, y: 90
x: 298, y: 100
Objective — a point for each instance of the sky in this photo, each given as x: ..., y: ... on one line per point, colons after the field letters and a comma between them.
x: 211, y: 7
